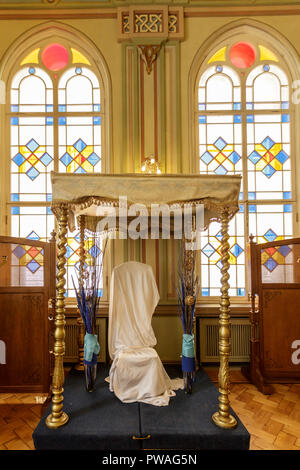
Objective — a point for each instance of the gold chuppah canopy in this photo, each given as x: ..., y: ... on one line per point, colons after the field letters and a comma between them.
x: 77, y: 194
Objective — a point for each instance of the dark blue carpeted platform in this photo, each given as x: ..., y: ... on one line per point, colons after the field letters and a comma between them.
x: 99, y: 421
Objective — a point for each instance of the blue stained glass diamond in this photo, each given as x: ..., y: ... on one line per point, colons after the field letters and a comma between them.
x: 77, y: 237
x: 66, y: 159
x: 32, y: 173
x: 33, y: 266
x: 282, y: 156
x: 93, y: 159
x: 19, y: 159
x: 236, y: 250
x: 270, y: 235
x: 79, y: 145
x: 254, y: 157
x: 205, y: 292
x: 219, y: 235
x: 69, y: 252
x: 268, y: 143
x: 220, y: 143
x: 220, y: 170
x: 33, y: 236
x: 94, y: 251
x: 234, y: 157
x: 268, y: 171
x: 284, y: 250
x: 219, y: 264
x: 80, y: 170
x: 19, y: 251
x: 32, y: 145
x: 206, y: 157
x: 46, y: 159
x: 208, y: 250
x: 270, y: 264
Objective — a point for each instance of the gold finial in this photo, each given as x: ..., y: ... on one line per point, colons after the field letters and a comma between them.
x: 151, y: 166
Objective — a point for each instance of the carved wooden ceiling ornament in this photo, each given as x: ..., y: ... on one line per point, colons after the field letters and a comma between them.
x: 149, y: 55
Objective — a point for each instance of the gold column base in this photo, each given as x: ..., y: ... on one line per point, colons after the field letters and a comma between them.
x: 53, y: 423
x: 227, y: 422
x: 79, y: 367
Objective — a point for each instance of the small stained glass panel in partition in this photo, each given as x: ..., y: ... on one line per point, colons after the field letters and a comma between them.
x: 79, y: 144
x: 268, y: 155
x: 31, y: 91
x: 31, y: 158
x: 21, y: 265
x: 280, y: 264
x: 210, y: 263
x: 219, y: 89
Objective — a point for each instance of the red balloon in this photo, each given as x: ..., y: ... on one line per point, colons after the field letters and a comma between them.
x: 55, y: 57
x: 242, y: 55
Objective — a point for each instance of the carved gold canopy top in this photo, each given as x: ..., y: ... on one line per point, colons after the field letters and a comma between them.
x: 83, y: 194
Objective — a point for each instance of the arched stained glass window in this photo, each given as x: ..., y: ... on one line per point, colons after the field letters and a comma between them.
x: 243, y: 120
x: 56, y: 121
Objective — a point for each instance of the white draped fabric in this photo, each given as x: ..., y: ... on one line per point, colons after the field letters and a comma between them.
x: 137, y: 373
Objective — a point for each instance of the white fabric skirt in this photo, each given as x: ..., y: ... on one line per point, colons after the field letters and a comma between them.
x: 137, y: 374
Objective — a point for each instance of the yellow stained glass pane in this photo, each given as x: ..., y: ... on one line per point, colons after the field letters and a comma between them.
x: 72, y: 151
x: 278, y: 258
x: 24, y: 151
x: 213, y: 150
x: 220, y: 158
x: 87, y: 166
x: 32, y: 159
x: 24, y: 167
x: 260, y: 165
x: 219, y: 56
x: 276, y: 149
x: 72, y: 167
x: 78, y: 57
x: 232, y: 259
x: 260, y: 149
x: 266, y: 54
x: 86, y: 152
x: 276, y: 164
x: 264, y: 257
x: 32, y: 57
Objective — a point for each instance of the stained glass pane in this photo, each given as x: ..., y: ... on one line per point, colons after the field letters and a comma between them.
x: 79, y: 90
x: 267, y: 86
x: 279, y: 264
x: 80, y: 144
x: 269, y: 167
x: 242, y: 54
x: 218, y: 88
x: 24, y: 266
x: 31, y: 158
x: 35, y: 223
x: 271, y: 222
x: 220, y: 149
x: 211, y: 258
x: 93, y: 253
x: 31, y: 90
x: 55, y: 57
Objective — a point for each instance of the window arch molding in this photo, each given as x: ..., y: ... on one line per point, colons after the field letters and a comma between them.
x: 246, y: 29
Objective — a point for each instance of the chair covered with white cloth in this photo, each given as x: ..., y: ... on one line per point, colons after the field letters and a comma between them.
x: 136, y: 373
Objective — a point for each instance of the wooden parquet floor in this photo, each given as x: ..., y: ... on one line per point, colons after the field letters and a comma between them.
x: 272, y: 420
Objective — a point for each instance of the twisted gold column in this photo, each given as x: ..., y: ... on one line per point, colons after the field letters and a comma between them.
x: 58, y: 417
x: 222, y: 418
x: 81, y: 332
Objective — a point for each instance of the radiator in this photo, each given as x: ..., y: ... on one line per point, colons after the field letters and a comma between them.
x: 209, y: 340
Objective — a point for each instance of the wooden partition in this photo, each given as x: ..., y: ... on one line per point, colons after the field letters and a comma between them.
x: 27, y: 283
x: 274, y: 274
